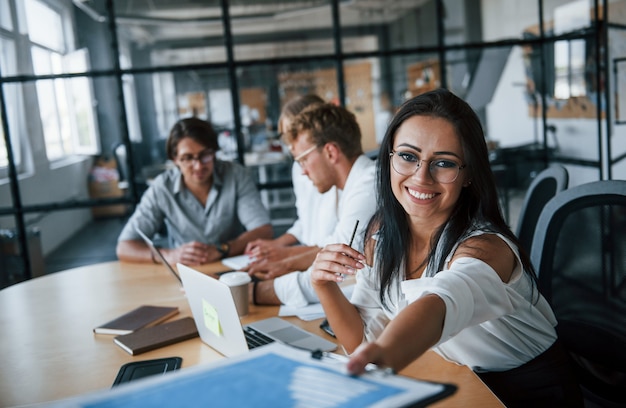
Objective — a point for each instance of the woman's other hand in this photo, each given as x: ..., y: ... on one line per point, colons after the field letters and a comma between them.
x: 334, y: 262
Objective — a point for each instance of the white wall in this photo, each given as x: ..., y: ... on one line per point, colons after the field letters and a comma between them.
x: 508, y: 121
x: 54, y: 185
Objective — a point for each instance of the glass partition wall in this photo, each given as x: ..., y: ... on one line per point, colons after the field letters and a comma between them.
x: 90, y: 88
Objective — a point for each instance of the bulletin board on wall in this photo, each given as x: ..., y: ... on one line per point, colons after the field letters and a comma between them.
x: 574, y: 106
x: 192, y: 104
x: 359, y: 99
x: 423, y: 77
x: 323, y: 82
x: 256, y: 100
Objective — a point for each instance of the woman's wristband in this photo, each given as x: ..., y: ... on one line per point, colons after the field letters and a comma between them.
x: 254, y: 285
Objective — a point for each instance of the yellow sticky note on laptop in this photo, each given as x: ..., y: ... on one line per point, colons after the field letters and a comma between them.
x: 211, y: 319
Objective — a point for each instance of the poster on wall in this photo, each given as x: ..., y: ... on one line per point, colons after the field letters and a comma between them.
x: 192, y: 104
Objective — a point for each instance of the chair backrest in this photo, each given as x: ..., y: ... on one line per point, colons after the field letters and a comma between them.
x: 543, y: 187
x: 579, y: 252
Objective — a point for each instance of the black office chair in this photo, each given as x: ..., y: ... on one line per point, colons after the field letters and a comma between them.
x: 579, y: 252
x: 543, y: 187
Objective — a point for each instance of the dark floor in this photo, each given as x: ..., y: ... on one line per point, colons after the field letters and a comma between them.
x: 95, y: 243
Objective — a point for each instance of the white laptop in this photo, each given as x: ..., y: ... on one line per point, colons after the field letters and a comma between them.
x: 215, y: 314
x: 156, y: 250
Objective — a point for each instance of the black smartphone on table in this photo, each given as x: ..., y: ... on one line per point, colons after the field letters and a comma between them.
x: 146, y: 368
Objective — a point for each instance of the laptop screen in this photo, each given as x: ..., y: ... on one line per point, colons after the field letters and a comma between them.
x: 156, y: 250
x: 219, y: 325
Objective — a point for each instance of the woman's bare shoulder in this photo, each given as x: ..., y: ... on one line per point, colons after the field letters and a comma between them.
x: 492, y: 250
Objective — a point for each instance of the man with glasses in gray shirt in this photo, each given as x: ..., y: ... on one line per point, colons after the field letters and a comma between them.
x: 211, y: 208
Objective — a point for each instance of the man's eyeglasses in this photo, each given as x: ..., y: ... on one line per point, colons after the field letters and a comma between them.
x: 441, y: 170
x: 204, y: 157
x: 300, y: 158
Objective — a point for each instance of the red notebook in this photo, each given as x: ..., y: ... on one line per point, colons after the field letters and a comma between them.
x: 143, y: 316
x: 158, y: 336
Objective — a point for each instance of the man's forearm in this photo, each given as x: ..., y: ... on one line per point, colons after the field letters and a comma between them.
x: 134, y: 251
x: 262, y: 293
x: 301, y: 257
x: 286, y: 240
x: 238, y: 245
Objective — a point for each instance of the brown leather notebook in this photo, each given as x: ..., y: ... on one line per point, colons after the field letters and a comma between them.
x: 143, y: 316
x: 158, y: 336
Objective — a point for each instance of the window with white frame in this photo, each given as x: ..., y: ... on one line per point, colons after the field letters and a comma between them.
x: 12, y: 99
x: 130, y: 101
x: 165, y: 101
x: 4, y: 158
x: 10, y: 94
x: 5, y: 15
x: 7, y: 62
x: 65, y: 105
x: 570, y: 68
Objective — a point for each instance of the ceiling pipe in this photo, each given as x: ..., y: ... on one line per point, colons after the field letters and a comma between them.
x: 90, y: 11
x: 148, y: 20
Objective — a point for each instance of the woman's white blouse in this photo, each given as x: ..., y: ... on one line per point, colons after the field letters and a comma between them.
x: 489, y: 325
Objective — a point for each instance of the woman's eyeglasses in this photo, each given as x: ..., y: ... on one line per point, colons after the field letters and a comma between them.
x: 441, y: 170
x: 204, y: 157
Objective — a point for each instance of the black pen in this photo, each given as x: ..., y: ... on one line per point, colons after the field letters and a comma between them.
x: 350, y: 244
x: 353, y: 233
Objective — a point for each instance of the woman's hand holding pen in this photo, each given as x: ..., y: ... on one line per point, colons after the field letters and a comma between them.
x: 331, y: 266
x: 335, y: 261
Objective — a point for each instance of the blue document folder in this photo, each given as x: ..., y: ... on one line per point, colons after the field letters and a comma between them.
x: 271, y: 376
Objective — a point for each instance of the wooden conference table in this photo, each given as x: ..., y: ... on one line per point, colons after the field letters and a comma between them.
x: 48, y: 350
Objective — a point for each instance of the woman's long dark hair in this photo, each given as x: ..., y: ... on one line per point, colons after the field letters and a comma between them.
x: 478, y: 202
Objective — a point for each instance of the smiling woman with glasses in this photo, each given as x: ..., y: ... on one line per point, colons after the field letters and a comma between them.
x: 210, y: 208
x: 441, y: 170
x: 441, y: 269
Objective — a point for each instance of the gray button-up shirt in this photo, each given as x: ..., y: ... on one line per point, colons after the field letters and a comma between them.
x: 233, y: 206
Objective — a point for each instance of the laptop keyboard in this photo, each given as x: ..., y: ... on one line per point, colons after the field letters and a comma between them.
x: 256, y: 339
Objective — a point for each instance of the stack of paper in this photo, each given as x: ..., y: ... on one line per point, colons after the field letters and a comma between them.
x: 237, y: 263
x: 312, y: 311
